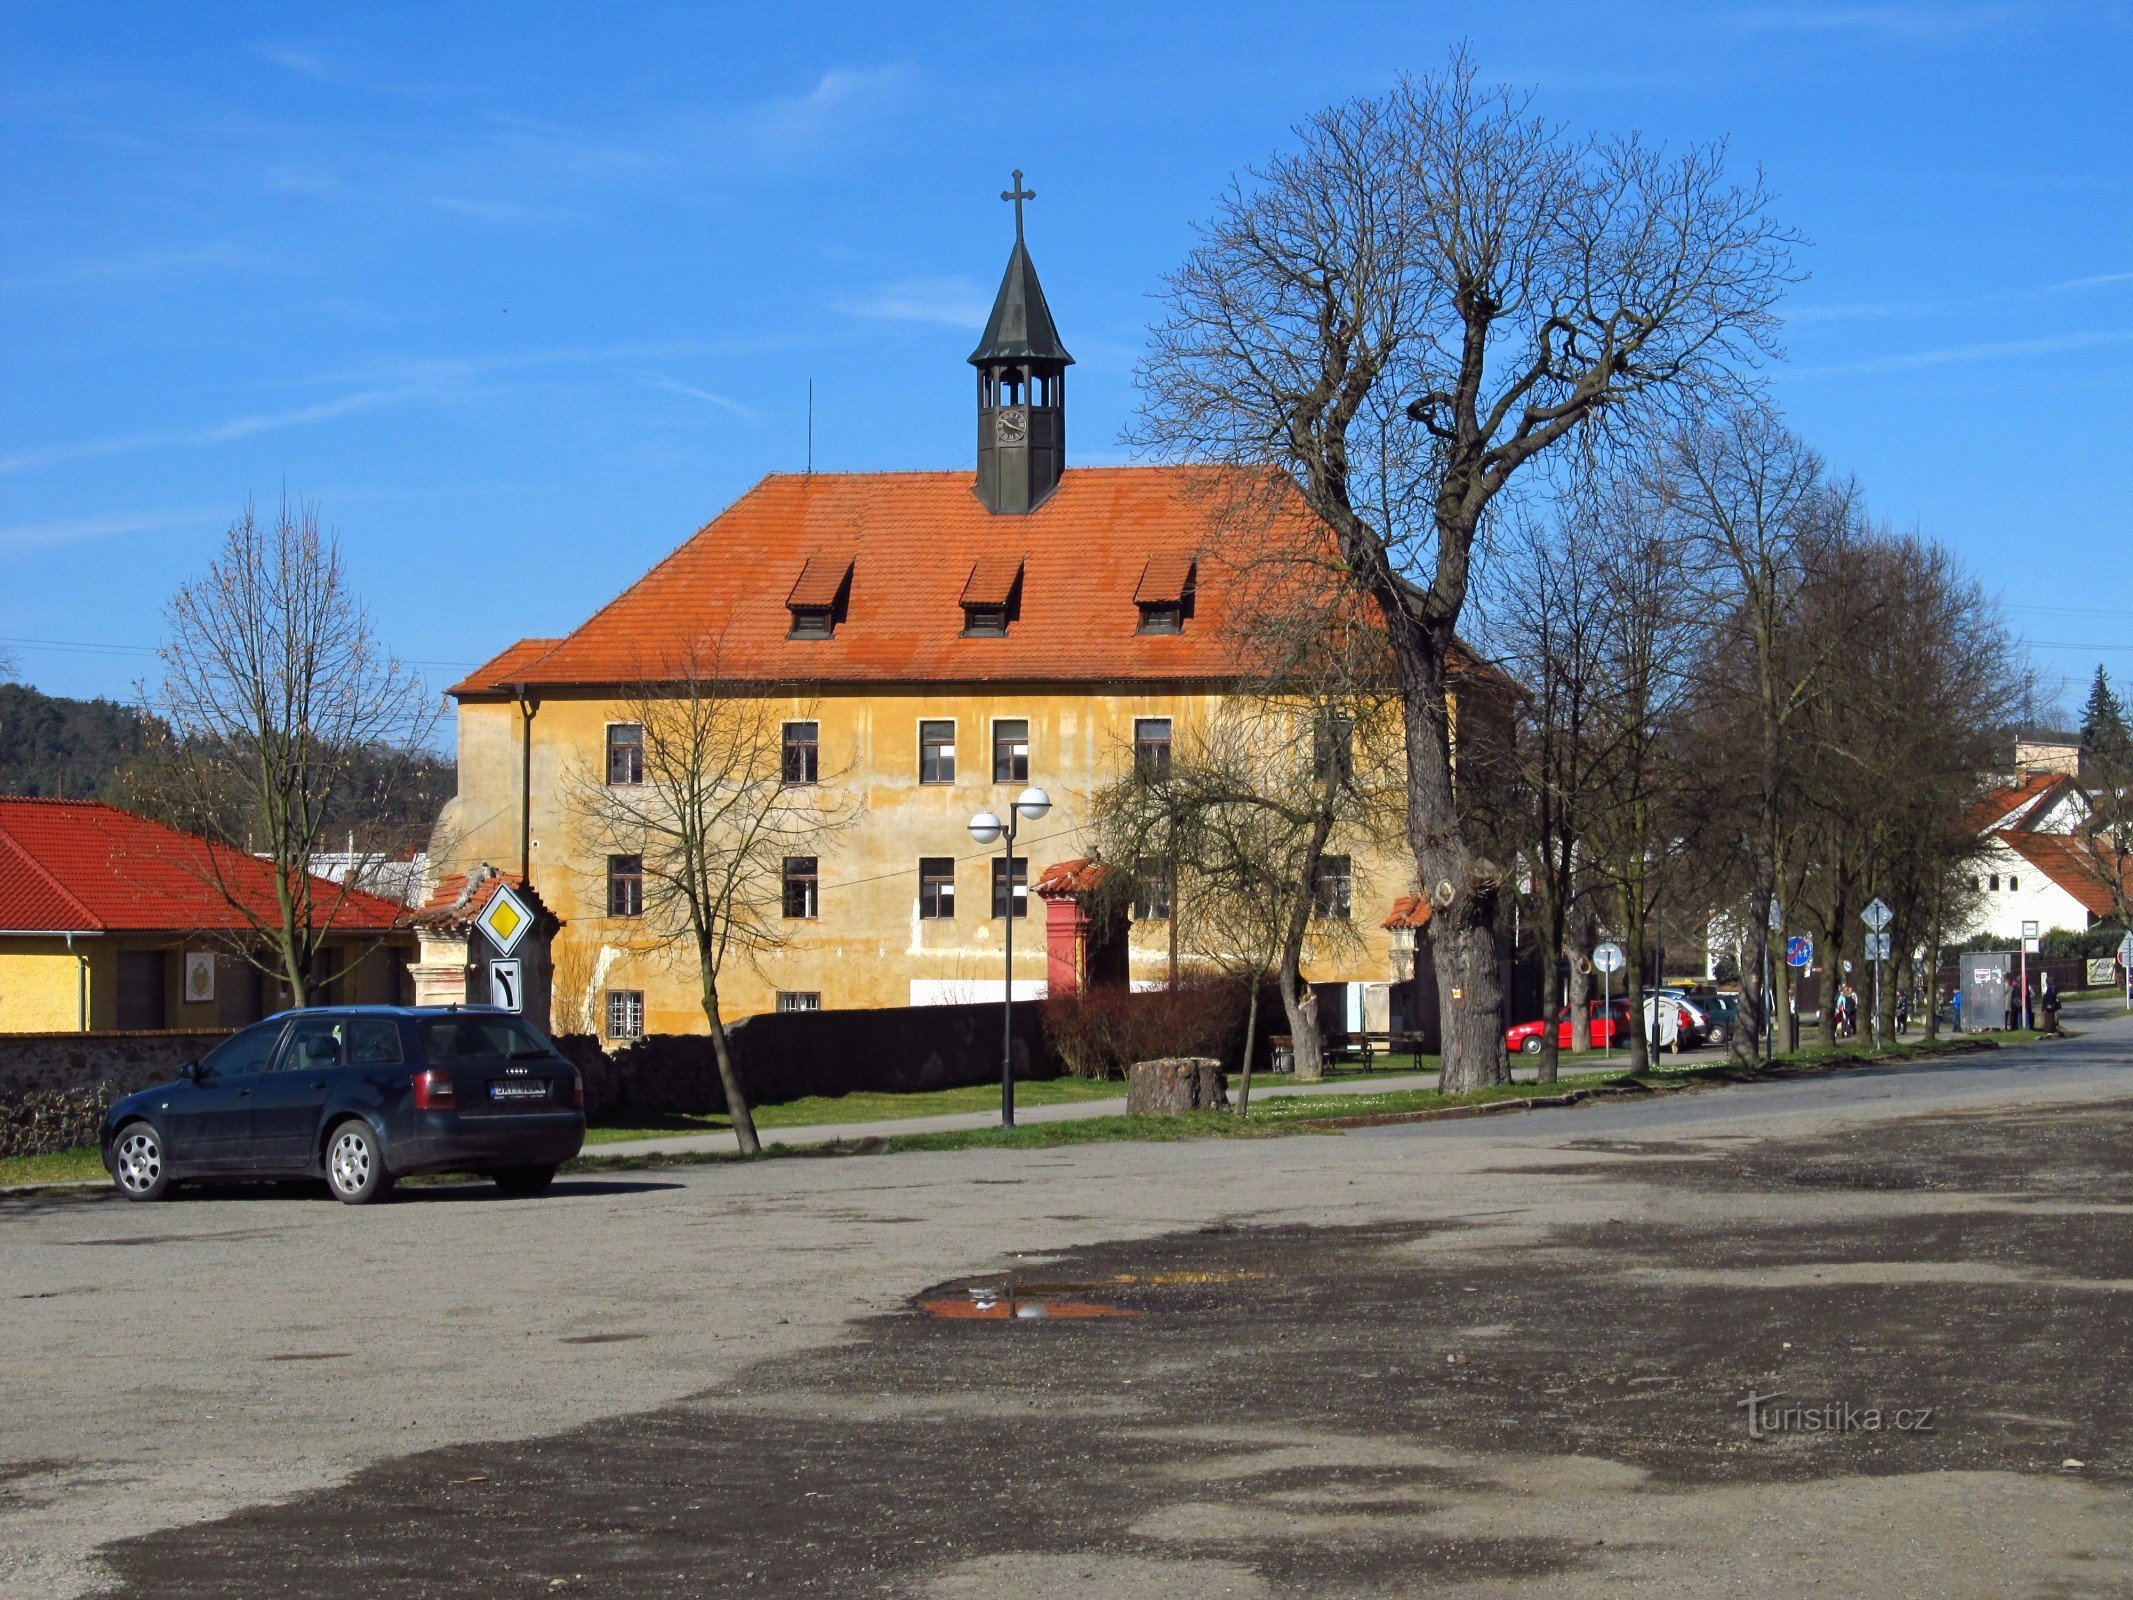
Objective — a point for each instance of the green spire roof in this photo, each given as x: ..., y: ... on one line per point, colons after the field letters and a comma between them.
x: 1020, y: 327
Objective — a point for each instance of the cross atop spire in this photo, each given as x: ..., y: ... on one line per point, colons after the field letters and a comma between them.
x: 1018, y: 194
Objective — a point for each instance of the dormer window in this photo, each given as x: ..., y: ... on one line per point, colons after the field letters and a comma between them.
x: 819, y: 596
x: 992, y: 596
x: 1165, y: 594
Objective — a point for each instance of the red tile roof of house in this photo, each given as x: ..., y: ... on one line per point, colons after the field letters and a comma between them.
x: 2018, y: 804
x: 460, y: 896
x: 916, y: 541
x: 2081, y: 867
x: 81, y: 866
x: 1409, y: 911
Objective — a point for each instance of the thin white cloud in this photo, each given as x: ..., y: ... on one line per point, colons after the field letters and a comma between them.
x: 1952, y: 355
x: 24, y: 536
x: 674, y: 386
x: 508, y: 213
x: 792, y: 125
x: 954, y: 302
x: 305, y: 63
x: 1897, y: 19
x: 136, y: 266
x: 235, y: 428
x: 1857, y: 310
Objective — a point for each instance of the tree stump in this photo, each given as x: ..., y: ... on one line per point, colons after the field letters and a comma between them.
x: 1173, y: 1086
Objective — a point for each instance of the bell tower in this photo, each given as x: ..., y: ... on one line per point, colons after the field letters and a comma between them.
x: 1021, y: 386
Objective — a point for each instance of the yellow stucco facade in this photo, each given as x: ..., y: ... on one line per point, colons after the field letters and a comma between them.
x: 869, y: 945
x: 46, y: 987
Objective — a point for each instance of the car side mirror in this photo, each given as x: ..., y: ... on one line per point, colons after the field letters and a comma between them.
x: 192, y: 1072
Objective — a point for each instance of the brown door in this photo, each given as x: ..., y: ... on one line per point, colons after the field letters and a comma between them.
x: 141, y: 977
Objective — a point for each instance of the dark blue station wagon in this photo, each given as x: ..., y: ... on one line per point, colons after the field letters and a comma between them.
x: 359, y: 1096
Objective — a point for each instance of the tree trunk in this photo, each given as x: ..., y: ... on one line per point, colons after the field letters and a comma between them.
x: 729, y: 1079
x: 1462, y: 888
x: 1301, y: 1005
x: 1640, y: 1039
x: 1251, y: 1044
x: 1551, y: 954
x: 1580, y: 953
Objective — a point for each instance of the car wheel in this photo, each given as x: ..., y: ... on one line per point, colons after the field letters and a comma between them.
x: 1530, y: 1045
x: 137, y: 1164
x: 355, y: 1166
x: 524, y: 1180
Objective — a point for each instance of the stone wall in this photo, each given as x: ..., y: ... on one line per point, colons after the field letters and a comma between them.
x: 790, y: 1055
x: 55, y: 1087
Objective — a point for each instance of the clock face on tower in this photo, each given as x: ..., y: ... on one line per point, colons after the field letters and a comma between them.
x: 1011, y: 426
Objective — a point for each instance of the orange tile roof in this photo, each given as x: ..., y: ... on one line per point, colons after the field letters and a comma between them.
x: 1164, y: 580
x: 821, y: 580
x: 2081, y: 869
x: 82, y: 866
x: 460, y: 897
x: 2011, y: 805
x: 992, y: 579
x: 914, y: 539
x: 1409, y: 911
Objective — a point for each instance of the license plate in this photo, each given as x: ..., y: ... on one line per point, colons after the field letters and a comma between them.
x: 518, y: 1089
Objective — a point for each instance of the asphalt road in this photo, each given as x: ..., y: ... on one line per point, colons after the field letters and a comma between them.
x: 1495, y: 1357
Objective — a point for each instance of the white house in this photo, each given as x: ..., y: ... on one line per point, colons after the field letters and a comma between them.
x: 2033, y: 869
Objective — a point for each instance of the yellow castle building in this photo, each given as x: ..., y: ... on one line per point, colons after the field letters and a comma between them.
x: 932, y: 644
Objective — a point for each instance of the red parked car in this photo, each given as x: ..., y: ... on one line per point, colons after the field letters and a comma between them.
x: 1610, y: 1026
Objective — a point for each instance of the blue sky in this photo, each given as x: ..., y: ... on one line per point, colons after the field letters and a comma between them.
x: 523, y: 295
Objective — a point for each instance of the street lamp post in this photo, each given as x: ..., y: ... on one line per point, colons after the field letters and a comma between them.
x: 1031, y: 803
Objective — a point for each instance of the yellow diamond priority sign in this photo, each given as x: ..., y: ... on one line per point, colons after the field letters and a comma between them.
x: 505, y: 920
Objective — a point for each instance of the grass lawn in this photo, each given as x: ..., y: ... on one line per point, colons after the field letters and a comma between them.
x: 62, y: 1166
x: 821, y: 1110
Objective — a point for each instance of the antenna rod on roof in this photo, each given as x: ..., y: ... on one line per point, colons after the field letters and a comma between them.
x: 810, y: 427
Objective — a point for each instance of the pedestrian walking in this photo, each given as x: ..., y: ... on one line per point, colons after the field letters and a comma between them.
x: 1903, y: 1013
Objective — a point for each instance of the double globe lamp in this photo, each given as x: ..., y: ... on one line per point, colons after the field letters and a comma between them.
x: 1030, y: 804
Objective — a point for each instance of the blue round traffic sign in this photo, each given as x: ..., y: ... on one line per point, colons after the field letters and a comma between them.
x: 1799, y: 951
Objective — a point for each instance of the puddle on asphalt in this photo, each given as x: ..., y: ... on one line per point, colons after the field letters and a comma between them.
x: 1008, y: 1300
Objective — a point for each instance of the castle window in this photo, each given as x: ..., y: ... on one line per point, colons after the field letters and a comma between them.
x: 936, y: 752
x: 1151, y: 749
x: 625, y: 1013
x: 936, y: 888
x: 625, y: 753
x: 1151, y: 889
x: 1333, y: 889
x: 992, y: 596
x: 625, y: 886
x: 799, y: 999
x: 819, y: 596
x: 1010, y: 883
x: 1010, y: 750
x: 2013, y: 884
x: 1165, y: 593
x: 802, y: 752
x: 1992, y: 882
x: 803, y: 891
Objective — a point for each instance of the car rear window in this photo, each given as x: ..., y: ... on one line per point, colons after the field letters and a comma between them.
x: 482, y: 1039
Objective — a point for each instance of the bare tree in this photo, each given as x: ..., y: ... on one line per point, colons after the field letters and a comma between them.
x: 1549, y: 619
x: 1431, y: 291
x: 711, y: 826
x: 287, y: 715
x: 1765, y: 526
